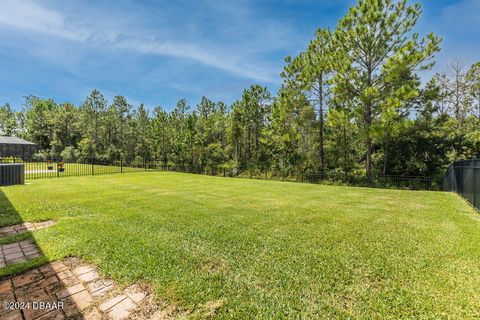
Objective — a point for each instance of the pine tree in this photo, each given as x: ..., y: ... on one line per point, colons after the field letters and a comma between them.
x: 375, y: 47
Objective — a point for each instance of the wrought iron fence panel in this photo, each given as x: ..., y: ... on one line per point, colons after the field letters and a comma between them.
x: 58, y: 168
x: 463, y: 177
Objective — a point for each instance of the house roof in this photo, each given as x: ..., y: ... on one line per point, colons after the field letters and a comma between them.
x: 14, y: 140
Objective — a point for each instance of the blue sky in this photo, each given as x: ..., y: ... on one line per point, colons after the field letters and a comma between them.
x: 158, y: 52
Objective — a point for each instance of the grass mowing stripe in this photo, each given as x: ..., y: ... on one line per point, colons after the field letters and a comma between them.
x: 269, y: 249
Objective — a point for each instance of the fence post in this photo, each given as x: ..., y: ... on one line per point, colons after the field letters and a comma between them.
x: 473, y: 182
x: 93, y: 166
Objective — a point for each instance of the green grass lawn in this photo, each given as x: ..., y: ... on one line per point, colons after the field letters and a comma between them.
x: 268, y: 249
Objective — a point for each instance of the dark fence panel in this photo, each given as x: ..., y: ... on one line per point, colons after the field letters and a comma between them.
x: 389, y: 181
x: 463, y: 177
x: 35, y: 169
x: 58, y: 168
x: 11, y: 174
x: 476, y: 178
x: 406, y: 182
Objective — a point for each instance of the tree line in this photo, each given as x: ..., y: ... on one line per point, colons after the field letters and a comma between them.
x: 352, y: 104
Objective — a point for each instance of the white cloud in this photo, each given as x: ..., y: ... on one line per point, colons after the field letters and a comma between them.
x: 188, y: 51
x: 29, y: 16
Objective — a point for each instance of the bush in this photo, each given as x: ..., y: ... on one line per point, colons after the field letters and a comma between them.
x: 87, y: 148
x: 138, y: 161
x: 9, y: 160
x: 41, y: 156
x: 112, y: 153
x: 70, y: 154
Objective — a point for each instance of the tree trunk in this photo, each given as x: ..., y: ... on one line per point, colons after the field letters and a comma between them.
x: 368, y: 124
x: 247, y: 151
x: 345, y: 153
x: 321, y: 122
x: 368, y: 169
x: 96, y: 131
x: 368, y: 142
x: 385, y: 156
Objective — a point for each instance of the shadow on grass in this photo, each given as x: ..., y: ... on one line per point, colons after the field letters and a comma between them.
x: 26, y: 276
x: 18, y: 247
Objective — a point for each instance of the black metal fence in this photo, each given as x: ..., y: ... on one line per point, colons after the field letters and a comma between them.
x: 37, y: 169
x: 406, y: 182
x: 463, y: 177
x: 388, y: 181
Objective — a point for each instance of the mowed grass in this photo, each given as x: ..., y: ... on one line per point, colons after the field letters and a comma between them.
x: 268, y: 249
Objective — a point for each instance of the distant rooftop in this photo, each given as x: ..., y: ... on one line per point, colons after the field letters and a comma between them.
x: 14, y: 140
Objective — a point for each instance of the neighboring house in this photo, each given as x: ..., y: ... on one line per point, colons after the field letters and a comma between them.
x: 16, y: 147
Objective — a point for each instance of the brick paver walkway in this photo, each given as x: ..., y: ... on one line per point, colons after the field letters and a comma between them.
x: 24, y: 227
x: 70, y: 289
x: 17, y: 252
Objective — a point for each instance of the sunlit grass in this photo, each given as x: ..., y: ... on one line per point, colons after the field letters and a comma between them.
x: 269, y: 249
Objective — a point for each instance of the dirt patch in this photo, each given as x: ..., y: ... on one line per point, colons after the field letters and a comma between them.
x: 211, y: 307
x: 214, y: 267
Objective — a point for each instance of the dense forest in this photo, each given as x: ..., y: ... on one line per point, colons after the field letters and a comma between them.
x: 351, y: 104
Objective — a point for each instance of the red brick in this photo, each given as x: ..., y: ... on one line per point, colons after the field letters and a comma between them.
x: 70, y: 281
x: 50, y: 280
x: 26, y: 278
x: 83, y: 269
x: 122, y: 310
x: 52, y: 315
x: 16, y: 260
x: 5, y: 285
x: 12, y: 250
x: 64, y: 274
x: 7, y: 296
x: 12, y: 315
x: 77, y: 302
x: 112, y: 302
x: 70, y: 290
x: 89, y: 276
x: 13, y: 255
x: 99, y: 287
x: 52, y: 268
x: 37, y: 295
x: 31, y: 314
x: 81, y: 299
